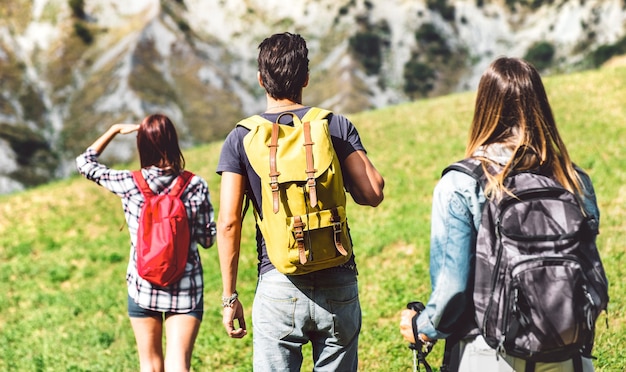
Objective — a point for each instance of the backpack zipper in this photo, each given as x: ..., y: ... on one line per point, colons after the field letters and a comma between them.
x: 494, y: 280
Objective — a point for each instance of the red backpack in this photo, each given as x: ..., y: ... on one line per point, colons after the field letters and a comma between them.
x: 164, y: 235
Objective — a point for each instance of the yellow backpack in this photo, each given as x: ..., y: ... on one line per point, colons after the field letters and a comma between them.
x: 303, y: 198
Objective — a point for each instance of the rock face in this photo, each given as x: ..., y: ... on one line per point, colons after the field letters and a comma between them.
x: 70, y: 68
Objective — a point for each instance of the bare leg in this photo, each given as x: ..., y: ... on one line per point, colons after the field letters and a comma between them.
x: 180, y: 335
x: 149, y: 334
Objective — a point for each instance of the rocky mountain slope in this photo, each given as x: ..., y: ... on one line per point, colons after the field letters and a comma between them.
x: 70, y: 68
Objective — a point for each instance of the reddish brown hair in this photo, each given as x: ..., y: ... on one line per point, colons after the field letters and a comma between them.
x: 157, y: 143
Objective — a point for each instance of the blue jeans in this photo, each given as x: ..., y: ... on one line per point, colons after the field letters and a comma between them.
x: 289, y: 311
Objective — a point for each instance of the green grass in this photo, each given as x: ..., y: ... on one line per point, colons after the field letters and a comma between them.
x: 63, y: 257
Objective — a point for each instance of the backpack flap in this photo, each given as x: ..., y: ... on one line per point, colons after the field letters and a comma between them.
x: 290, y: 152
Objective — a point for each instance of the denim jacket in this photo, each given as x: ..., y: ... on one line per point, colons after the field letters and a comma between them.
x: 456, y: 212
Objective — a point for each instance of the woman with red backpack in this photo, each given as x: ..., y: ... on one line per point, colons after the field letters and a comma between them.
x: 177, y: 304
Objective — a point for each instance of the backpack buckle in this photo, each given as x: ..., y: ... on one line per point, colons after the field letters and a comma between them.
x: 337, y: 231
x: 298, y: 232
x: 311, y: 184
x: 275, y: 191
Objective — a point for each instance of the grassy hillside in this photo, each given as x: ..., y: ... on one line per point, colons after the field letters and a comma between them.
x: 63, y: 256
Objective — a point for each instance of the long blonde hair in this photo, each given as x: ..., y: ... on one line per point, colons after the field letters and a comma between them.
x: 512, y: 109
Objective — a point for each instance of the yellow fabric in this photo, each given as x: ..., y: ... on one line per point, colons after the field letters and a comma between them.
x: 277, y: 228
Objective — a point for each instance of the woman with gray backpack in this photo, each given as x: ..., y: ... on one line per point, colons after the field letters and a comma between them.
x: 517, y: 281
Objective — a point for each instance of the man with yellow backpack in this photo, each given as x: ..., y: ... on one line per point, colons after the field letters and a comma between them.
x: 294, y: 163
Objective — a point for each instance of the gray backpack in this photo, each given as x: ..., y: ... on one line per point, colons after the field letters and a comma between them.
x: 539, y: 283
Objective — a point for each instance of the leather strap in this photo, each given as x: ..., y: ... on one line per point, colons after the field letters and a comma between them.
x: 298, y: 229
x: 274, y: 173
x: 336, y: 220
x: 310, y: 168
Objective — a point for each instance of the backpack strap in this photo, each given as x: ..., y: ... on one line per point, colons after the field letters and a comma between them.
x: 274, y: 173
x: 315, y: 113
x: 181, y: 184
x: 310, y: 166
x: 140, y: 181
x: 253, y: 122
x: 336, y: 220
x: 471, y: 167
x: 298, y: 230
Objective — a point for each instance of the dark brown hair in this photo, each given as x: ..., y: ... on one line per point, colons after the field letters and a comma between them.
x: 284, y: 65
x: 157, y: 143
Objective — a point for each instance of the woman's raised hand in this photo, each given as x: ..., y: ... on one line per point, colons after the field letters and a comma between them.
x: 127, y: 128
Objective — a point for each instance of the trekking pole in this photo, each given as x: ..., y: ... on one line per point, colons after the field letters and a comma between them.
x: 420, y: 348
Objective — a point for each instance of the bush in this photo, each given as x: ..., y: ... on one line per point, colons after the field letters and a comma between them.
x: 606, y: 52
x: 441, y: 6
x: 432, y: 41
x: 540, y: 55
x: 83, y: 32
x: 366, y: 47
x: 418, y: 78
x: 78, y: 8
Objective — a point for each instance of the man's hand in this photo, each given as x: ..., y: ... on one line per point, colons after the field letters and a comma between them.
x: 228, y: 319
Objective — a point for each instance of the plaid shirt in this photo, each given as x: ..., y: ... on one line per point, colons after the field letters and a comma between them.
x: 185, y: 295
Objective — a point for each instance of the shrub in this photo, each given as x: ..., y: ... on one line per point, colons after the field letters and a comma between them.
x: 366, y: 47
x: 606, y: 52
x: 540, y: 55
x: 78, y: 8
x: 441, y: 6
x: 418, y: 78
x: 83, y: 32
x: 432, y: 41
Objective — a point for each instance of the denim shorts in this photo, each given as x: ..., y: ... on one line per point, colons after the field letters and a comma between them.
x: 136, y: 311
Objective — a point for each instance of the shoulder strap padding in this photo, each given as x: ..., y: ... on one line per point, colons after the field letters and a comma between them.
x: 253, y: 122
x: 142, y: 184
x: 315, y: 113
x: 471, y: 167
x: 181, y: 183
